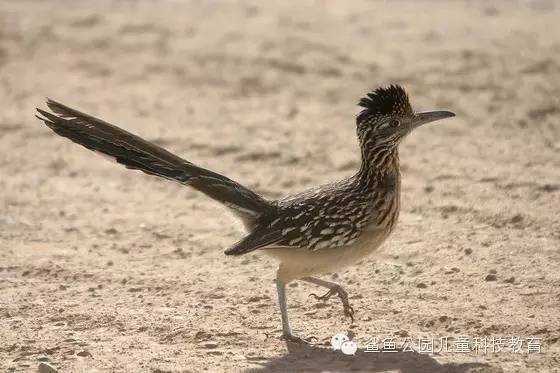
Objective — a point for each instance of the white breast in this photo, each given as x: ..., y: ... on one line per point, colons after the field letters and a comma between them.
x: 301, y: 262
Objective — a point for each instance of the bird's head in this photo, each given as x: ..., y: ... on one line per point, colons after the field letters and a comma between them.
x: 387, y: 116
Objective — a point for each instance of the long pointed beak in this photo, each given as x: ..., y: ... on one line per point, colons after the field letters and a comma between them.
x: 430, y: 116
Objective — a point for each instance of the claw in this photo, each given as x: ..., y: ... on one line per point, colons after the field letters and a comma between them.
x: 349, y: 312
x: 324, y: 297
x: 348, y: 309
x: 294, y: 339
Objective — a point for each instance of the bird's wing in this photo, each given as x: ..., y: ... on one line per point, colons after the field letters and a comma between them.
x: 137, y: 153
x: 257, y: 239
x: 311, y: 225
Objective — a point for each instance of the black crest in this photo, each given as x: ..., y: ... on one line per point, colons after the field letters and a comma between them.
x: 385, y: 101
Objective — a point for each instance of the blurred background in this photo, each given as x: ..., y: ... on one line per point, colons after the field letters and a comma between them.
x: 130, y: 269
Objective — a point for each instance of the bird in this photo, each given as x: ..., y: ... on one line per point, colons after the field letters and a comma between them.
x: 315, y: 232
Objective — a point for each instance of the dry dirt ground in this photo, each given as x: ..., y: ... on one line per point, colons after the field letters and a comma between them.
x: 103, y: 269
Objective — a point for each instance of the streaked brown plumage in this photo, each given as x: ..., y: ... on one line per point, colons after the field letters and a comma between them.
x: 317, y: 231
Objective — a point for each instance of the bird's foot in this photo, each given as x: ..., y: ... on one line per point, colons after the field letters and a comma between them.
x: 343, y: 295
x: 289, y: 337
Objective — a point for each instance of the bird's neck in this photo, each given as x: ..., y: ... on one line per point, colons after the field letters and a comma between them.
x: 378, y: 162
x: 379, y: 178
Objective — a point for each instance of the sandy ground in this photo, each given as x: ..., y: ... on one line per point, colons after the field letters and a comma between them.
x: 108, y: 270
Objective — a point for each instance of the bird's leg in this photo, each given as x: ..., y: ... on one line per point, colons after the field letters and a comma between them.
x: 333, y: 289
x: 286, y: 330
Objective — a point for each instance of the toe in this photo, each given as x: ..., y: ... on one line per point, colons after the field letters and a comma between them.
x: 295, y: 339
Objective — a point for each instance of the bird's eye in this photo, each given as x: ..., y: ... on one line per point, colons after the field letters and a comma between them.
x: 395, y: 122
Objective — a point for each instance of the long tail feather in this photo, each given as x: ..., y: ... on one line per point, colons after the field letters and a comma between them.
x: 137, y: 153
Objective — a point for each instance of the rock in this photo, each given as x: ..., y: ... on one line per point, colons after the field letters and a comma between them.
x: 43, y: 358
x: 516, y: 219
x: 210, y: 344
x: 421, y: 285
x: 46, y: 368
x: 491, y: 277
x: 161, y: 236
x: 181, y: 253
x: 510, y: 280
x: 202, y: 335
x: 468, y: 251
x: 402, y: 333
x: 83, y: 353
x: 111, y: 231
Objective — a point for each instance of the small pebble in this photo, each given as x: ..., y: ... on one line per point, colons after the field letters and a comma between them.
x: 402, y: 333
x: 83, y: 353
x: 421, y: 285
x: 46, y: 368
x: 516, y: 219
x: 202, y: 335
x: 491, y: 277
x: 210, y: 344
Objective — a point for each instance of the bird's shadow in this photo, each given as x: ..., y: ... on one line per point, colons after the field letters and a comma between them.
x: 303, y: 358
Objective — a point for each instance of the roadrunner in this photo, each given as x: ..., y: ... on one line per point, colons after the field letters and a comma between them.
x: 317, y: 231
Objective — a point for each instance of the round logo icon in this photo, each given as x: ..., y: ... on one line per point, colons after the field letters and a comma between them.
x: 337, y: 340
x: 349, y: 348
